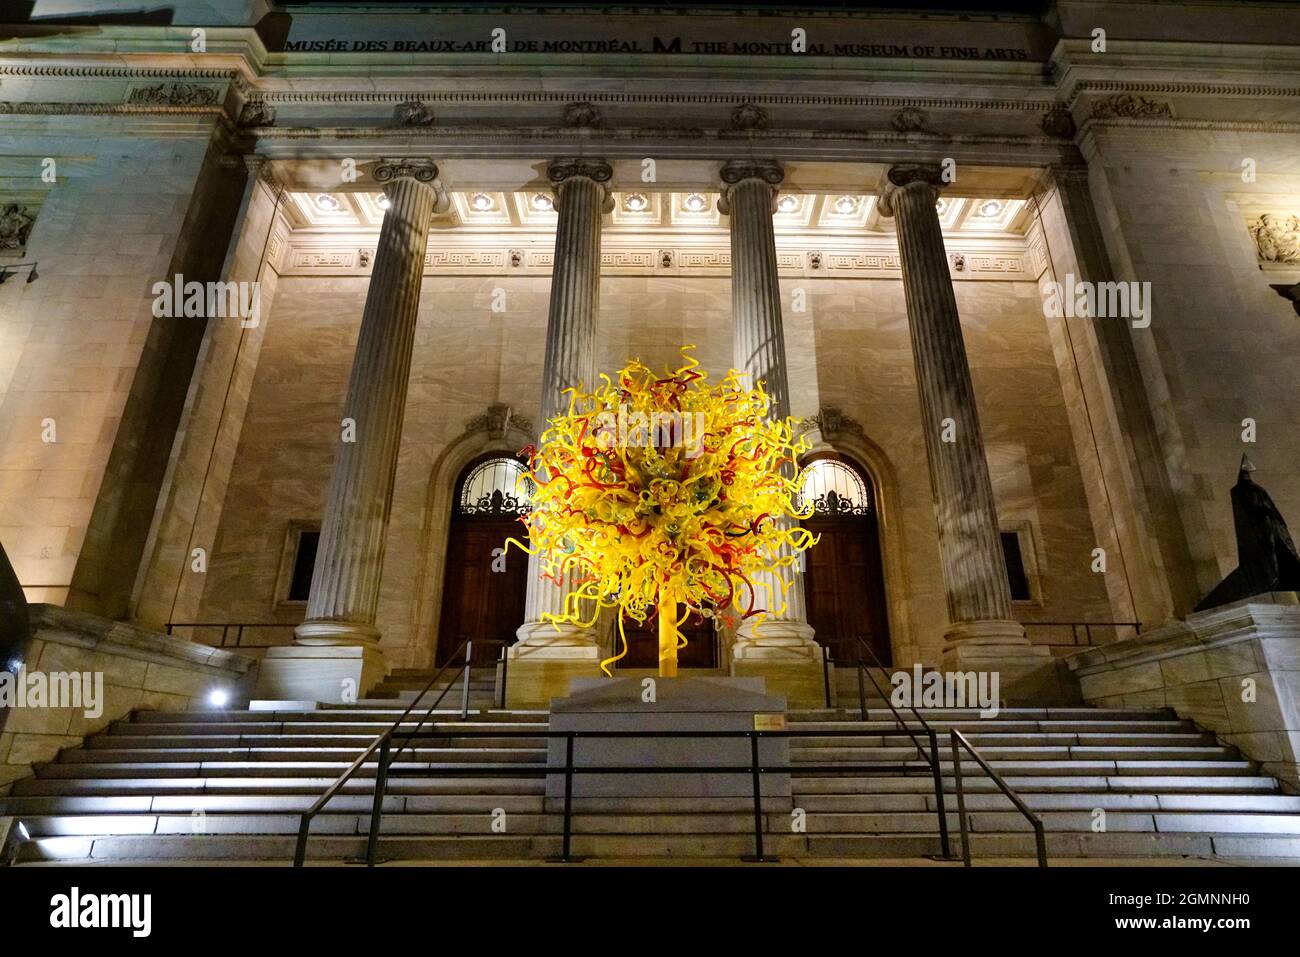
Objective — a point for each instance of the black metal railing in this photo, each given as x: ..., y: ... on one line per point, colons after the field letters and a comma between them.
x: 960, y: 741
x: 932, y: 756
x: 383, y: 745
x: 235, y: 630
x: 755, y: 768
x: 1081, y: 632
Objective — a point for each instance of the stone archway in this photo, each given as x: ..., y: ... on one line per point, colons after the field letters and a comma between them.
x: 830, y: 431
x: 498, y: 430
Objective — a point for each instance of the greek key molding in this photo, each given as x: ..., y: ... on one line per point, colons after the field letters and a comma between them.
x: 659, y: 259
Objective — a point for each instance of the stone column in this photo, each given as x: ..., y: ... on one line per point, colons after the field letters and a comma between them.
x: 546, y: 655
x: 782, y: 649
x: 982, y: 633
x: 338, y: 641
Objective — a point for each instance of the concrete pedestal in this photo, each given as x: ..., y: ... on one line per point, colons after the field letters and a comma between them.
x: 680, y: 704
x: 1234, y: 670
x: 1027, y: 674
x: 337, y: 674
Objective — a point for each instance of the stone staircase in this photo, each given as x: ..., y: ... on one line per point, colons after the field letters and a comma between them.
x: 403, y: 685
x: 210, y: 786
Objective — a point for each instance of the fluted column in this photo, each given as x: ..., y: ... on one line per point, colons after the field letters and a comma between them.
x: 758, y: 343
x: 970, y: 547
x: 581, y: 197
x: 345, y: 582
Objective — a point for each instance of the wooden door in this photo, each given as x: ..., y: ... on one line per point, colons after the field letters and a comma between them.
x: 844, y: 582
x: 643, y: 643
x: 844, y: 587
x: 477, y: 602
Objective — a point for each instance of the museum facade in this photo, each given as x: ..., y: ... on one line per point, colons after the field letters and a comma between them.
x: 290, y: 289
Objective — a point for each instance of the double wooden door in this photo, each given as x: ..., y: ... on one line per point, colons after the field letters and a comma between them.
x: 478, y: 601
x: 845, y: 587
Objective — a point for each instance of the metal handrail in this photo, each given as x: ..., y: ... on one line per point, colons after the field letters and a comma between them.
x: 754, y: 768
x: 383, y: 744
x: 1040, y: 839
x: 932, y: 759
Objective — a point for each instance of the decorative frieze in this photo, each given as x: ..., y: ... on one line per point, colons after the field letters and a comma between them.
x: 1277, y: 238
x: 1130, y: 106
x: 175, y: 94
x: 413, y: 113
x: 16, y: 221
x: 646, y: 260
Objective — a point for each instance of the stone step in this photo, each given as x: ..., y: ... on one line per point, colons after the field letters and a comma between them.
x: 268, y: 803
x: 323, y: 739
x: 369, y: 729
x: 979, y: 726
x: 388, y: 714
x: 973, y: 714
x: 279, y: 849
x: 147, y: 755
x: 922, y: 782
x: 326, y: 770
x: 313, y: 784
x: 1071, y: 801
x: 832, y: 754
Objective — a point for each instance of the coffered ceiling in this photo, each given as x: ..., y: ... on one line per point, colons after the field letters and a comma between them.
x: 649, y: 211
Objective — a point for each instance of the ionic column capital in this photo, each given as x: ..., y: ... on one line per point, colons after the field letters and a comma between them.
x: 916, y: 176
x: 561, y: 171
x: 390, y: 172
x: 734, y: 172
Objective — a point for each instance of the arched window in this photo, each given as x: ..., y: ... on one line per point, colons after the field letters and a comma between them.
x: 494, y: 488
x: 832, y: 487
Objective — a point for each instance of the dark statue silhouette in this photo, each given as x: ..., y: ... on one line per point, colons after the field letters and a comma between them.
x: 1266, y: 555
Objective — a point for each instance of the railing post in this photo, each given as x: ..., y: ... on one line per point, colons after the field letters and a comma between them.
x: 377, y: 809
x: 464, y: 693
x: 826, y: 673
x: 758, y: 796
x: 505, y: 672
x: 961, y: 799
x: 568, y: 797
x: 1040, y: 840
x: 944, y: 846
x: 862, y: 687
x: 300, y: 850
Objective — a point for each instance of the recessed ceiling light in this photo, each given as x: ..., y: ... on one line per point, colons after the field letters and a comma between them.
x: 543, y: 203
x: 636, y: 203
x: 846, y: 205
x: 787, y: 204
x: 383, y: 202
x: 482, y: 202
x: 990, y: 208
x: 695, y: 203
x: 940, y: 206
x: 327, y: 202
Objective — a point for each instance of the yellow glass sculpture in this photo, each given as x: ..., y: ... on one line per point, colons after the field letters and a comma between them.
x: 658, y: 491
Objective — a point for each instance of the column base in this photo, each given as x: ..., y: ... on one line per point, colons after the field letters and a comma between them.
x: 335, y: 674
x: 1027, y: 673
x: 544, y: 634
x: 321, y: 633
x: 788, y: 659
x: 539, y: 671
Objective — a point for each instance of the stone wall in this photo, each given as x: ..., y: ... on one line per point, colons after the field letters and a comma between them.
x: 1233, y: 670
x: 72, y: 341
x: 139, y: 669
x: 1222, y: 345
